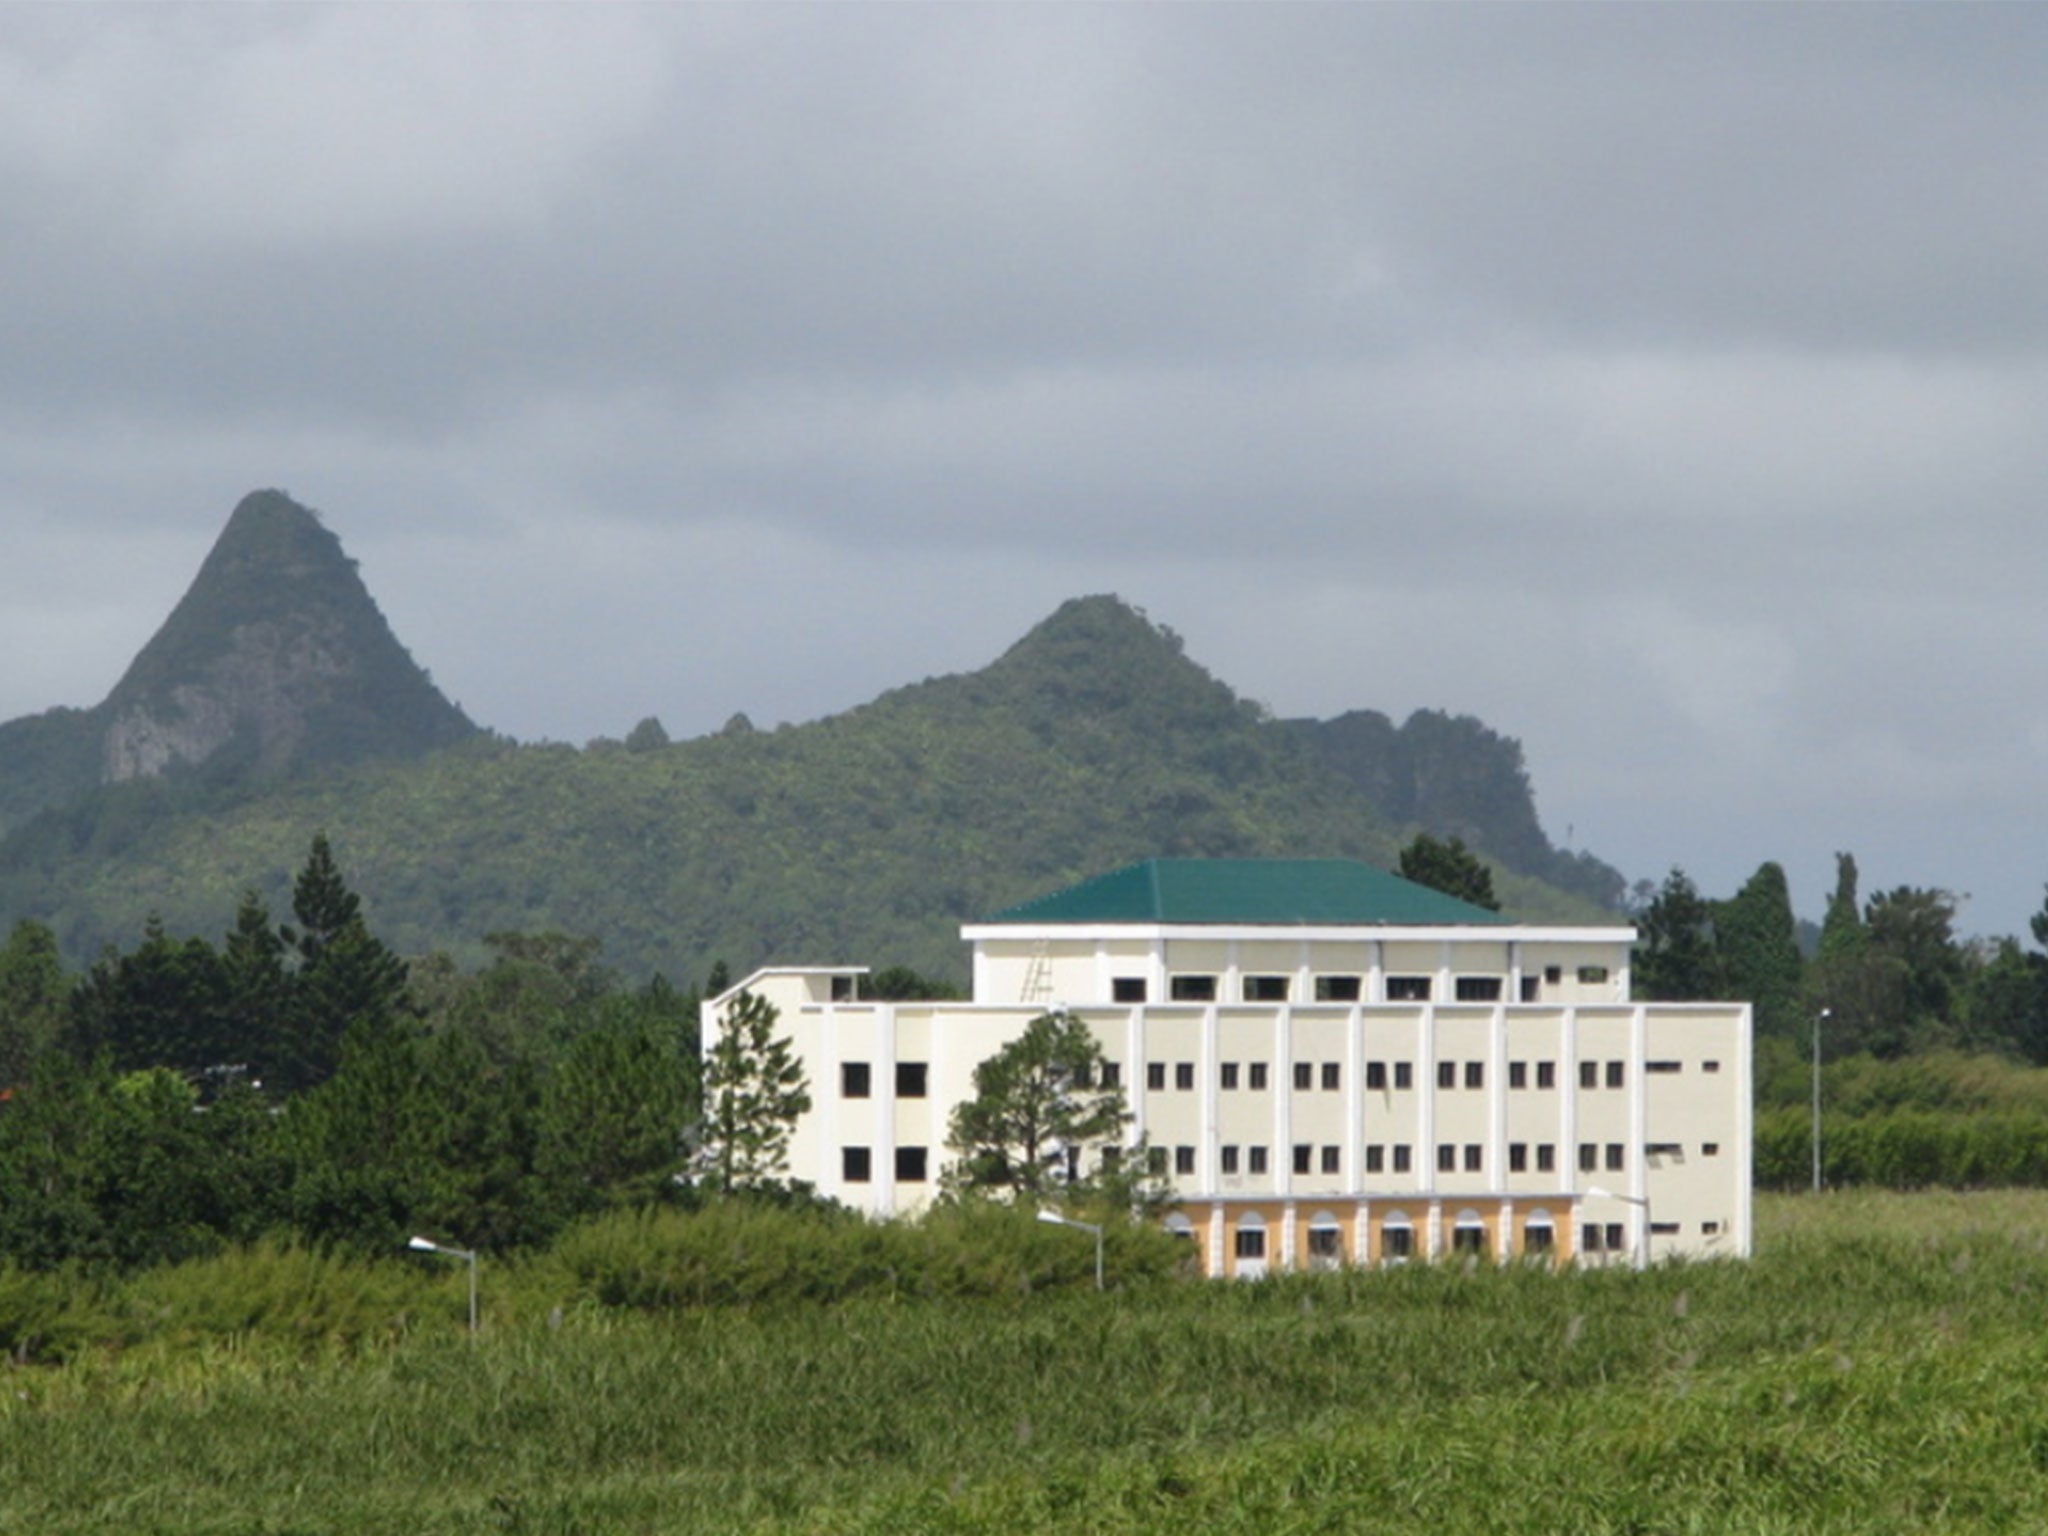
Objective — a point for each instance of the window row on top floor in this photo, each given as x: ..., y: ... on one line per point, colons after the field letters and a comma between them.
x: 1207, y: 987
x: 912, y: 1163
x: 913, y: 1078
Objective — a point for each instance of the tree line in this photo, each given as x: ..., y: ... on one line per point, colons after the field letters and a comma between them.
x: 301, y: 1077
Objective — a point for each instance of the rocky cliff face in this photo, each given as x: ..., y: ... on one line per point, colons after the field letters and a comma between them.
x: 276, y: 661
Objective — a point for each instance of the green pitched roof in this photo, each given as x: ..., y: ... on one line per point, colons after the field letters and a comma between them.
x: 1334, y: 892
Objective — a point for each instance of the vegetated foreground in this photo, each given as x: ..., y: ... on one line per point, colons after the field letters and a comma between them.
x: 1881, y: 1366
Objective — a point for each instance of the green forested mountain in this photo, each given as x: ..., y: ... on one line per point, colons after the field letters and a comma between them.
x: 866, y: 837
x: 276, y: 662
x: 1453, y: 775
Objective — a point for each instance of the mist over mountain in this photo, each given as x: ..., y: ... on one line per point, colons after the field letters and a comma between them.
x: 276, y: 662
x: 275, y: 703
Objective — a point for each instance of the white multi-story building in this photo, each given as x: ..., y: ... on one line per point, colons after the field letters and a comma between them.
x: 1338, y: 1065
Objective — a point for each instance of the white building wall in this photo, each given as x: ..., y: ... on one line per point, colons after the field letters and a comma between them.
x: 1541, y: 1101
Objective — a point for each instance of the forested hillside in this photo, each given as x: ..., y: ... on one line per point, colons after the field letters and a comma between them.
x: 867, y: 836
x: 275, y: 704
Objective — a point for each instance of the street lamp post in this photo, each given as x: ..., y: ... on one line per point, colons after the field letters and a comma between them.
x: 1057, y: 1220
x: 1825, y: 1013
x: 1600, y: 1192
x: 467, y: 1255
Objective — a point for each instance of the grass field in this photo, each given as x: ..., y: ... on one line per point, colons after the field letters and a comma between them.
x: 1881, y: 1366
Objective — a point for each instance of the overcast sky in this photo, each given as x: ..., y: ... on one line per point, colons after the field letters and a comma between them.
x: 1665, y: 386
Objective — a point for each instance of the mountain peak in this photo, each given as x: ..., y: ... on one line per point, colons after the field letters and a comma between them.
x: 1097, y: 655
x: 276, y: 658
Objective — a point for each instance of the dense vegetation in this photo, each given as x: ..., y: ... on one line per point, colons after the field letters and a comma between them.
x: 1878, y: 1367
x: 1933, y: 1049
x: 867, y: 836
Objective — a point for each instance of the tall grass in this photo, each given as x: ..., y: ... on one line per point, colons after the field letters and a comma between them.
x: 1878, y: 1367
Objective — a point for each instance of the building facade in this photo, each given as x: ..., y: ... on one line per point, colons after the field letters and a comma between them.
x: 1337, y: 1066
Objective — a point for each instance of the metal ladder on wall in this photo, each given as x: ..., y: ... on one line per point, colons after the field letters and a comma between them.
x: 1038, y: 975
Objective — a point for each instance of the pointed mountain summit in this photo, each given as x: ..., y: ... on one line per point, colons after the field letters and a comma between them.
x: 276, y: 661
x: 277, y: 658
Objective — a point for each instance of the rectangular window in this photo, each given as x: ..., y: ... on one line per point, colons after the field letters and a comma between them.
x: 1404, y: 1075
x: 1404, y: 1157
x: 1183, y: 1161
x: 855, y: 1080
x: 844, y: 989
x: 1304, y: 1075
x: 910, y: 1165
x: 911, y: 1079
x: 1546, y: 1074
x: 1518, y: 1157
x: 1589, y: 1238
x: 1155, y: 1161
x: 1084, y: 1076
x: 1553, y: 974
x: 1663, y: 1149
x: 1446, y: 1157
x: 1663, y: 1066
x: 1468, y: 1240
x: 1184, y: 1076
x: 1408, y: 989
x: 1472, y: 1157
x: 1710, y: 1149
x: 1447, y: 1074
x: 1301, y: 1158
x: 1478, y: 989
x: 1663, y: 1229
x: 1258, y: 1076
x: 1229, y: 1156
x: 1615, y: 1160
x: 1255, y: 1159
x: 1266, y: 989
x: 856, y: 1165
x: 1331, y: 1160
x: 1589, y: 1074
x: 1250, y: 1242
x: 1538, y: 1239
x: 1592, y: 975
x: 1531, y: 989
x: 1475, y: 1074
x: 1709, y: 1228
x: 1127, y: 989
x: 1518, y: 1074
x: 1155, y: 1076
x: 1192, y: 989
x: 1376, y: 1076
x: 1546, y: 1157
x: 1710, y: 1066
x: 1332, y: 1071
x: 1324, y: 1243
x: 1375, y: 1159
x: 1338, y: 989
x: 1229, y: 1074
x: 1112, y: 1074
x: 1617, y: 1239
x: 1589, y: 1157
x: 1397, y: 1242
x: 1616, y: 1073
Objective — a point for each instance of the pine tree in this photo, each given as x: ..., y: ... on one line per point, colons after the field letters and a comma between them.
x: 754, y: 1092
x: 1040, y: 1120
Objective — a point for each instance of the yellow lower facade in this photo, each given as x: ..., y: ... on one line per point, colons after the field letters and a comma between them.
x: 1244, y: 1239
